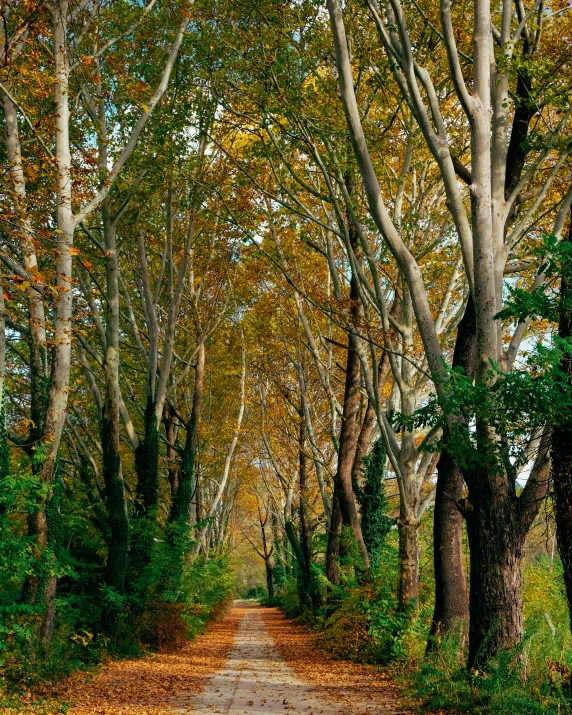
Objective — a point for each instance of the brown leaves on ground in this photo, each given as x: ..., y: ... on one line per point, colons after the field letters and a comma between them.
x: 156, y: 684
x: 365, y: 689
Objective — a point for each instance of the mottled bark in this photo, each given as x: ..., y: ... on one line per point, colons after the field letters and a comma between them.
x: 408, y: 595
x: 115, y: 501
x: 496, y: 544
x: 55, y: 414
x: 334, y: 540
x: 349, y: 431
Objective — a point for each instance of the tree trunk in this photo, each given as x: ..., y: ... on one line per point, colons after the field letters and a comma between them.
x: 4, y: 446
x: 182, y: 499
x: 269, y: 576
x: 116, y: 504
x: 59, y: 383
x: 408, y: 563
x: 304, y: 587
x: 170, y: 423
x: 146, y: 502
x: 349, y: 432
x: 496, y: 543
x: 305, y: 530
x: 451, y: 598
x: 368, y: 424
x: 334, y: 540
x: 497, y: 524
x: 267, y: 552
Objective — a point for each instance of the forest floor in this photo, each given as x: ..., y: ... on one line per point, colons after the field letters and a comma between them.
x: 253, y: 661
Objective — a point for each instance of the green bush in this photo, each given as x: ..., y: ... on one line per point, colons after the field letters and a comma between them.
x: 527, y: 680
x: 364, y: 623
x: 81, y: 637
x: 256, y: 593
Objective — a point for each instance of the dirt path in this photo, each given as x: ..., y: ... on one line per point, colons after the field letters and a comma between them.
x: 257, y: 680
x: 145, y: 686
x: 251, y: 662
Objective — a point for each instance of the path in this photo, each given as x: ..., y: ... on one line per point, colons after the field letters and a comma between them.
x: 252, y: 662
x: 257, y: 680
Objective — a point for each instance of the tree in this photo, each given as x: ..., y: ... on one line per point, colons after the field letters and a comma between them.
x: 496, y: 515
x: 375, y: 523
x: 50, y: 383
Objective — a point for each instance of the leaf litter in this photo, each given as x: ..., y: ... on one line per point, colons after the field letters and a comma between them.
x: 364, y: 689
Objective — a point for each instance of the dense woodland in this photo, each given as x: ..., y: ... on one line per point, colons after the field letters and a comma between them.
x: 290, y: 284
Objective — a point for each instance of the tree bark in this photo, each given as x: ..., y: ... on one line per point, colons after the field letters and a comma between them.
x: 4, y: 447
x: 334, y: 540
x: 170, y: 423
x: 305, y: 530
x: 349, y: 431
x: 267, y: 550
x: 182, y: 499
x: 39, y: 371
x: 55, y: 414
x: 497, y: 524
x: 368, y: 423
x: 269, y: 577
x: 451, y: 598
x: 408, y: 563
x: 496, y: 544
x: 116, y: 504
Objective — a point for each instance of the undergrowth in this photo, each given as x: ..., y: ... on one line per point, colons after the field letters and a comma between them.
x: 363, y: 623
x: 82, y: 636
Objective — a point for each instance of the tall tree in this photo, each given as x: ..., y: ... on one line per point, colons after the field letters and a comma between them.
x: 497, y: 518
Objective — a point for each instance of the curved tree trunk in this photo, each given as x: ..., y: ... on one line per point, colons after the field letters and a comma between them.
x: 305, y: 530
x: 267, y: 551
x: 349, y: 432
